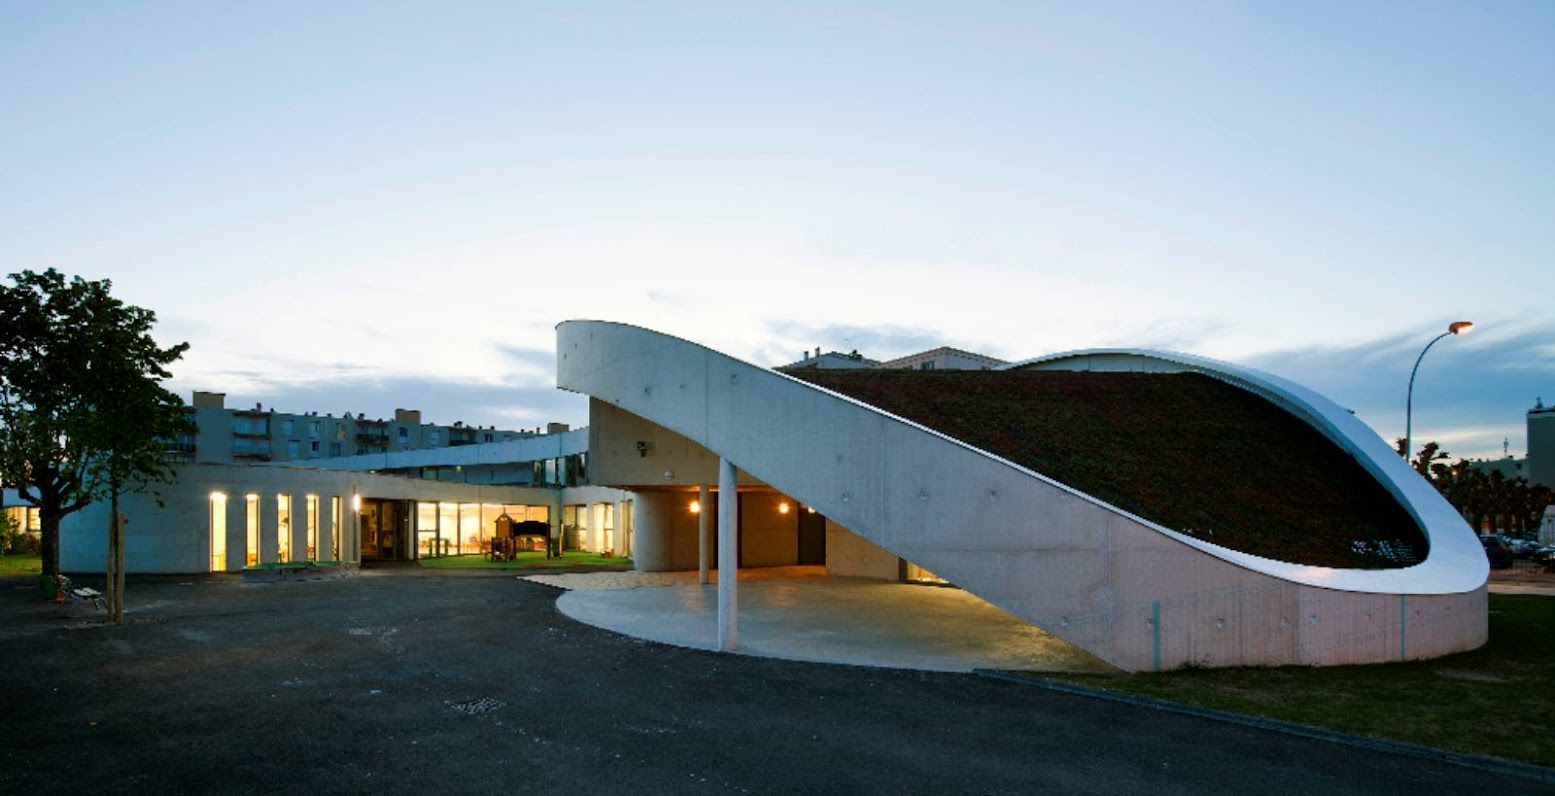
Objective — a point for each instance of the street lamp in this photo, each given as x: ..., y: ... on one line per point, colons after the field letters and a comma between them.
x: 1456, y: 327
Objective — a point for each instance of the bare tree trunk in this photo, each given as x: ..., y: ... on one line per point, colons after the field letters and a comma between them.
x: 48, y: 541
x: 114, y: 588
x: 109, y: 596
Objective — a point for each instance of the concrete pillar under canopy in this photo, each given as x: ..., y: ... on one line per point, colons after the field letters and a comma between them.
x: 728, y: 557
x: 704, y: 535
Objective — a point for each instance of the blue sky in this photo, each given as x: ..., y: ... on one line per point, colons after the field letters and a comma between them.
x: 358, y: 206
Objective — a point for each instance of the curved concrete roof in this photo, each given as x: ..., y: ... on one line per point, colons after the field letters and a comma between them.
x: 1455, y: 562
x: 1136, y: 594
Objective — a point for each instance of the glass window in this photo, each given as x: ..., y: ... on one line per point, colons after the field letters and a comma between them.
x: 286, y: 427
x: 469, y: 528
x: 283, y: 528
x: 334, y: 449
x: 426, y: 528
x: 447, y: 528
x: 251, y: 518
x: 313, y: 431
x: 334, y: 529
x: 218, y: 532
x: 291, y: 449
x: 313, y: 527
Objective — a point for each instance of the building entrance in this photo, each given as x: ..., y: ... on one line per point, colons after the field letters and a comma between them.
x: 385, y: 530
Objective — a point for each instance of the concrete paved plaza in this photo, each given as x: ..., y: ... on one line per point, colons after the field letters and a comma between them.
x: 801, y: 614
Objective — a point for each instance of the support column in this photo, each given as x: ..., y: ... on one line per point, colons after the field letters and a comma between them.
x: 728, y: 557
x: 704, y: 534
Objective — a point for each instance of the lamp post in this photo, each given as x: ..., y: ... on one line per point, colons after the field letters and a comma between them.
x: 1456, y: 327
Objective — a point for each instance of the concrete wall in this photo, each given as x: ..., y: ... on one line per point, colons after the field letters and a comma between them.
x: 768, y: 537
x: 670, y: 459
x: 853, y: 556
x: 1133, y: 593
x: 667, y: 530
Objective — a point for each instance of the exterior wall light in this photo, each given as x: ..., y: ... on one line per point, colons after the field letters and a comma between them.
x: 783, y: 507
x: 696, y: 507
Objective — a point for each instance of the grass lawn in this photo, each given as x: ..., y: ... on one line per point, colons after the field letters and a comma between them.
x: 1493, y: 701
x: 534, y: 559
x: 20, y: 565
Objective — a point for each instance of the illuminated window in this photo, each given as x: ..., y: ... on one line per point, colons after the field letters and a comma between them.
x: 426, y: 528
x: 447, y: 528
x: 283, y: 528
x: 251, y: 517
x: 218, y: 532
x: 334, y: 536
x: 313, y: 527
x: 604, y: 527
x: 469, y: 540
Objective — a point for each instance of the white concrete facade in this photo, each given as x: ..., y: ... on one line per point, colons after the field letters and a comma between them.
x: 1140, y: 596
x: 175, y: 529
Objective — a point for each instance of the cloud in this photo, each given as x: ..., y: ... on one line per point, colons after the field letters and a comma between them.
x: 1473, y: 390
x: 1169, y: 334
x: 534, y: 358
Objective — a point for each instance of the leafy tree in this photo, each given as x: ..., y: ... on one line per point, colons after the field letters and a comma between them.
x: 1487, y: 500
x: 1426, y: 459
x: 83, y: 414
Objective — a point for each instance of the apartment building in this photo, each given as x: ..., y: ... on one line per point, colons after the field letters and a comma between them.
x: 224, y: 435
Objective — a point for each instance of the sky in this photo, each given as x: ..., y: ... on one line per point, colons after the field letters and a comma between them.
x: 362, y: 206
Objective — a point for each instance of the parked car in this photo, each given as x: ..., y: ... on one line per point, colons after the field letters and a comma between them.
x: 1544, y: 556
x: 1495, y: 550
x: 1521, y: 548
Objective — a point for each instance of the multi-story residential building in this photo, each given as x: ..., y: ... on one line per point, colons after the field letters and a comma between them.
x: 1541, y: 444
x: 222, y: 435
x: 942, y: 358
x: 831, y: 360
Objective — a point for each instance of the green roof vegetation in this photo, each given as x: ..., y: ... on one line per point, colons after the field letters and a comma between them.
x: 1182, y: 450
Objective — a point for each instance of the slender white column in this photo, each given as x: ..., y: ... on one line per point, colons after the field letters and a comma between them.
x: 704, y: 534
x: 728, y: 558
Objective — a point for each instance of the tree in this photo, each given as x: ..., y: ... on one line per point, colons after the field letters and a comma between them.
x: 1488, y: 500
x: 83, y: 414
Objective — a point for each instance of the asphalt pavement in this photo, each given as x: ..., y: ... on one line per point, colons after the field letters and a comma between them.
x: 411, y: 681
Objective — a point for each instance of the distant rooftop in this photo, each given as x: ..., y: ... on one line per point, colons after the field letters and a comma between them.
x: 942, y: 358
